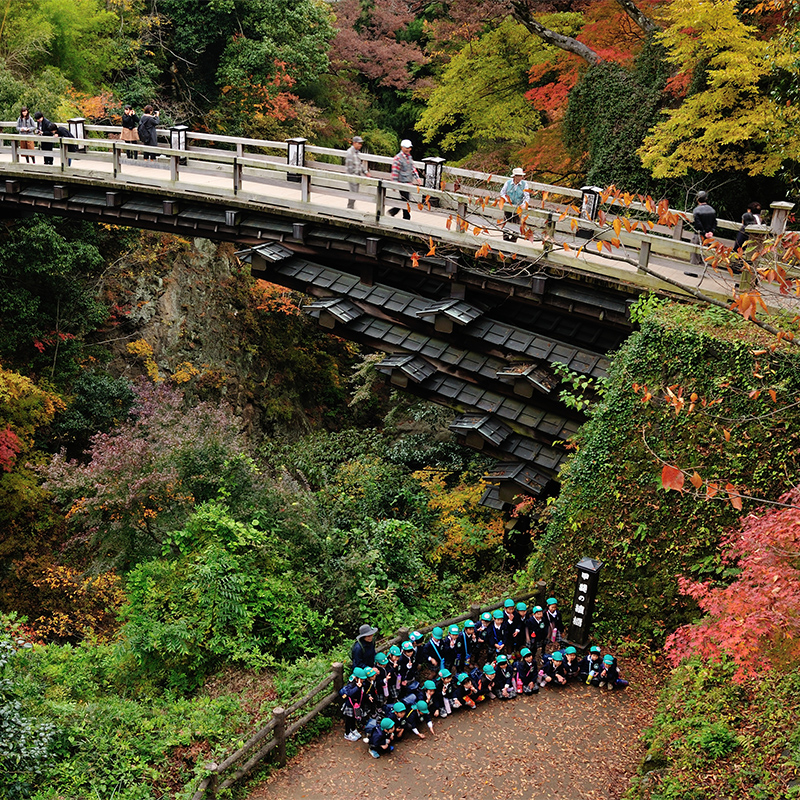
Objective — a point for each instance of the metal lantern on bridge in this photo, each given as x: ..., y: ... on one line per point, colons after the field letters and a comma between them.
x: 177, y: 139
x: 433, y: 172
x: 295, y: 156
x: 590, y: 202
x: 77, y: 130
x: 583, y: 603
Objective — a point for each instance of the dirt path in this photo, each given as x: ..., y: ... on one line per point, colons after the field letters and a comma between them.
x: 573, y: 743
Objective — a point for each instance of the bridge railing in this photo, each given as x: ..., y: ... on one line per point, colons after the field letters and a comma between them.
x: 224, y: 173
x: 458, y: 180
x: 285, y: 721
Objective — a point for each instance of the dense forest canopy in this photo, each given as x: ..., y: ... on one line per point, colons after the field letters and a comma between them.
x: 198, y: 486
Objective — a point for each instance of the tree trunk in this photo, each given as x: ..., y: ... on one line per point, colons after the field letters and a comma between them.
x: 522, y: 13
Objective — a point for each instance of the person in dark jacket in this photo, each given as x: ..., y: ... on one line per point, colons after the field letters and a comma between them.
x: 555, y: 625
x: 572, y: 666
x: 750, y: 217
x: 449, y: 647
x: 147, y: 130
x: 609, y: 675
x: 61, y: 131
x: 527, y: 672
x: 463, y: 695
x: 704, y: 219
x: 481, y: 632
x: 552, y: 673
x: 505, y: 685
x: 433, y: 650
x: 496, y: 636
x: 382, y: 678
x: 130, y: 132
x: 408, y: 671
x: 537, y: 631
x: 381, y: 738
x: 353, y: 710
x: 482, y: 682
x: 467, y: 648
x: 362, y: 654
x: 46, y: 130
x: 591, y: 665
x: 418, y: 716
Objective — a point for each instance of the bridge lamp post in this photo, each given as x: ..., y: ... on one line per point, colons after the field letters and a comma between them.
x: 583, y: 603
x: 177, y: 139
x: 77, y: 130
x: 295, y: 156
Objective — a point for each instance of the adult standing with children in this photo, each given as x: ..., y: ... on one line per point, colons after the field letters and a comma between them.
x: 26, y: 124
x: 363, y: 651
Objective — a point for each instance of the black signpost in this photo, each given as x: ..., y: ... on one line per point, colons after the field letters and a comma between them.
x: 583, y: 604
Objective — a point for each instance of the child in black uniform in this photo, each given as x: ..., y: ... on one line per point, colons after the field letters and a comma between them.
x: 464, y: 692
x: 496, y: 636
x: 555, y: 630
x: 381, y: 738
x: 527, y: 672
x: 420, y: 715
x: 467, y: 648
x: 591, y: 665
x: 353, y: 705
x: 552, y: 673
x: 609, y: 675
x: 572, y: 666
x: 505, y: 685
x: 537, y: 631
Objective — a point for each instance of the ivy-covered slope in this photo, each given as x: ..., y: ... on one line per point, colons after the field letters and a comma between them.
x: 698, y: 390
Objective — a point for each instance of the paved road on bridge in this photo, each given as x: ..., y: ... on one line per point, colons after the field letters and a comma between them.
x: 573, y: 744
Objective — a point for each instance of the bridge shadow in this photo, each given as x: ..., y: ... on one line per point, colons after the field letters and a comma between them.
x: 573, y: 743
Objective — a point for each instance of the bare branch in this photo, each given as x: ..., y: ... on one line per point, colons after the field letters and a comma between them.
x: 639, y: 17
x: 522, y: 13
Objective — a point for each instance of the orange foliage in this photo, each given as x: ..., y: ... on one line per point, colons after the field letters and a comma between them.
x: 275, y: 299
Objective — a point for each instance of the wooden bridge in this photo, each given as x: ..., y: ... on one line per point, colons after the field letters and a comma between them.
x: 465, y: 318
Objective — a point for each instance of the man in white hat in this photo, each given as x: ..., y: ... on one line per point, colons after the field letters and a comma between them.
x: 516, y: 195
x: 404, y: 171
x: 354, y: 166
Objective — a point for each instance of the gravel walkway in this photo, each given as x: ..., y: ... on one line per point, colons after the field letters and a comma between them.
x: 573, y: 743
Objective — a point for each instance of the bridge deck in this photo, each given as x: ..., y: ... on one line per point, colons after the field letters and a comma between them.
x: 324, y: 194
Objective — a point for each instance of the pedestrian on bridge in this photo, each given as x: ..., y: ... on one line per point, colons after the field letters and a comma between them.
x: 705, y: 224
x: 26, y: 124
x: 148, y: 134
x: 515, y: 194
x: 404, y: 171
x: 354, y: 166
x: 46, y: 129
x: 130, y: 133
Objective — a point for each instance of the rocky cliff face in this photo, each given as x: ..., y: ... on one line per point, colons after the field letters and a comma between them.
x: 189, y: 312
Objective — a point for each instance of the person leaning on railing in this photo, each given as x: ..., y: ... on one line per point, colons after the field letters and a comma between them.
x: 47, y: 129
x: 26, y: 124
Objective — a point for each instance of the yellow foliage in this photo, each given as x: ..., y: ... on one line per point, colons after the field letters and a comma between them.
x: 469, y: 530
x: 143, y: 350
x: 734, y: 123
x: 88, y: 603
x: 185, y: 372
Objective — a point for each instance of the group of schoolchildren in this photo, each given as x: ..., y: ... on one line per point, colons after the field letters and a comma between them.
x: 393, y: 695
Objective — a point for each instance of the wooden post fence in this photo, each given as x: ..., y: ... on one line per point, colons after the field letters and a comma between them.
x: 276, y: 732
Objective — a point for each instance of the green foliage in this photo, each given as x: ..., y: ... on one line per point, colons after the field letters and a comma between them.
x: 646, y: 305
x: 226, y: 596
x: 612, y: 505
x: 481, y: 95
x: 45, y: 302
x: 583, y: 388
x: 114, y: 738
x: 609, y: 112
x: 750, y: 731
x: 99, y: 402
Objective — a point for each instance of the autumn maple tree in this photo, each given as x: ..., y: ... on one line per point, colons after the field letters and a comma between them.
x: 755, y: 620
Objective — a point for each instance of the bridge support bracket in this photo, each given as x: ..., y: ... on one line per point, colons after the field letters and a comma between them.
x: 60, y: 192
x: 232, y: 217
x: 13, y: 187
x: 169, y: 207
x: 113, y: 199
x: 299, y: 231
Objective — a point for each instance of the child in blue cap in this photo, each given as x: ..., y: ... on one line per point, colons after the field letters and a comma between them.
x: 591, y: 665
x: 420, y: 715
x: 527, y: 672
x: 609, y: 675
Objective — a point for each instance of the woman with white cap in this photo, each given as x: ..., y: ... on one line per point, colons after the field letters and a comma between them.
x: 404, y: 171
